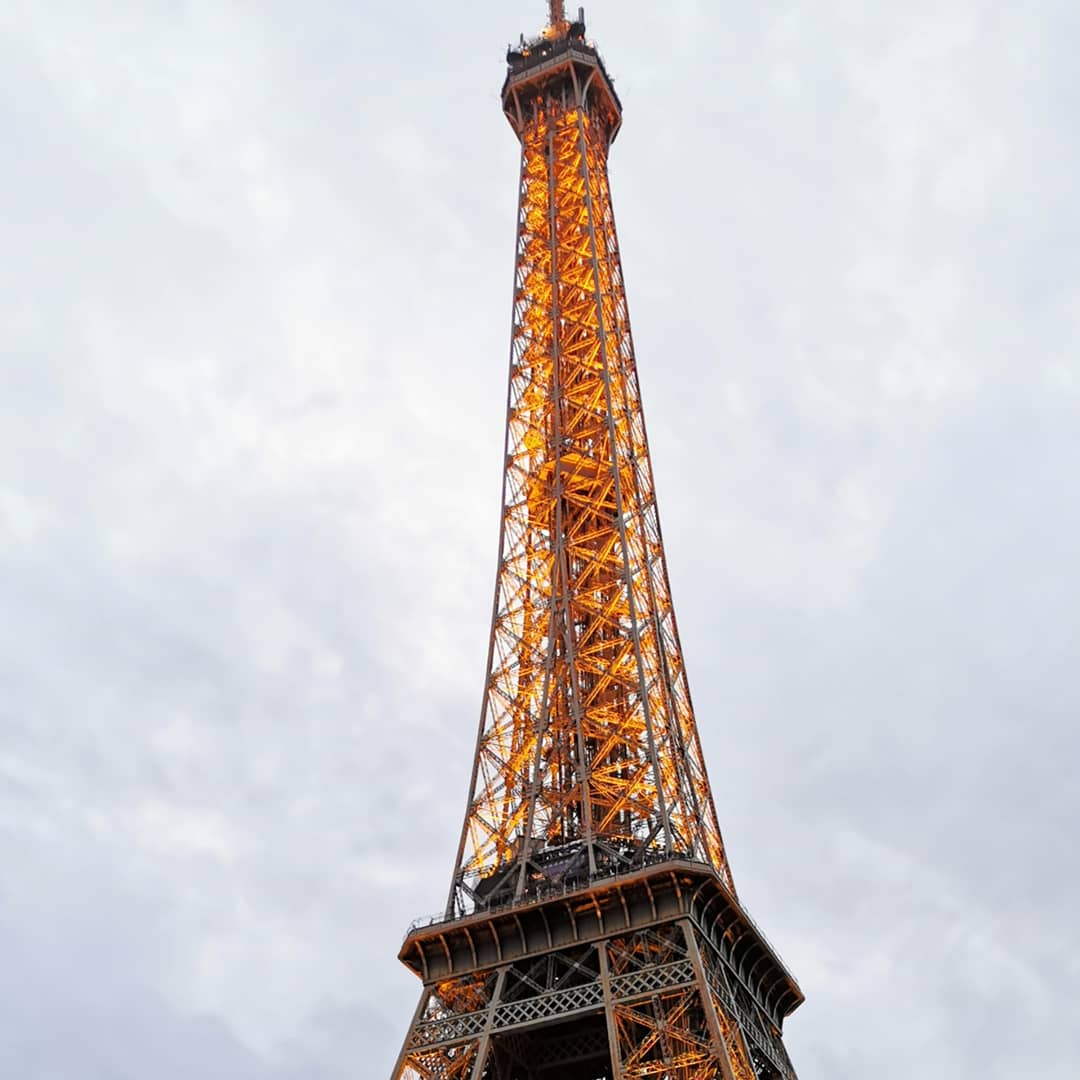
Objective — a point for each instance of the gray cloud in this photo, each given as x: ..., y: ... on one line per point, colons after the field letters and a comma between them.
x: 255, y: 319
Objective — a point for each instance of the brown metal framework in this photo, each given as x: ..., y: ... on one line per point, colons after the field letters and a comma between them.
x: 592, y: 927
x: 587, y: 734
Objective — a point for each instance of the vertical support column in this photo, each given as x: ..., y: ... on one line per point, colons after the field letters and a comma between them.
x: 609, y: 1012
x: 712, y: 1018
x: 733, y: 1052
x: 628, y: 576
x: 561, y: 564
x: 460, y: 860
x: 485, y: 1039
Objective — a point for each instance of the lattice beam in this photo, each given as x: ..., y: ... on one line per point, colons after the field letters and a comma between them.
x: 592, y: 926
x: 587, y: 732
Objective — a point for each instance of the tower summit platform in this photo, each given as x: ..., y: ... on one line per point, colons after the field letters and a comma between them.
x: 561, y: 54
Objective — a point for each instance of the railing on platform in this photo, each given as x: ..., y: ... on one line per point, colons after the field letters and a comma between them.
x: 543, y: 894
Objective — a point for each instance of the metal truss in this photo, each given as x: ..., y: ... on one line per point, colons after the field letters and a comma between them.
x: 662, y: 1003
x: 592, y: 927
x: 587, y: 733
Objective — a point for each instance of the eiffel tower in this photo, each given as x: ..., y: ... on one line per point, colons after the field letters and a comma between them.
x: 592, y: 929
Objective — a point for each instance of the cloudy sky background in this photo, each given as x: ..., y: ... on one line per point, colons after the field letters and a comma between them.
x: 254, y: 314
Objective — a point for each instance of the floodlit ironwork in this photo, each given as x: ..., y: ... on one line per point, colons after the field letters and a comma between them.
x: 592, y: 928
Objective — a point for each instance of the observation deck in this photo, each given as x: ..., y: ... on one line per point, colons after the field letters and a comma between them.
x: 556, y: 60
x: 451, y: 947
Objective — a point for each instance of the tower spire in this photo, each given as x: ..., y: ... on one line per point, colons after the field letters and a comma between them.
x: 592, y: 927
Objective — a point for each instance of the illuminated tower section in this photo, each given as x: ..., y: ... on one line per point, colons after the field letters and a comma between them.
x: 592, y: 930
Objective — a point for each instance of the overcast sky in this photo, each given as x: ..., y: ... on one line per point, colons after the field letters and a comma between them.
x: 254, y: 316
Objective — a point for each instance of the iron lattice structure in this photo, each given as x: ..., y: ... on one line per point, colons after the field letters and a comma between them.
x: 592, y: 931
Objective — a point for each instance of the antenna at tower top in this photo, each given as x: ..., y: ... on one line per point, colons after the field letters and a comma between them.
x: 556, y: 14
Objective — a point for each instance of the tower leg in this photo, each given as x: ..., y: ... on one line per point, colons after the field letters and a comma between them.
x: 609, y: 1018
x: 484, y: 1049
x: 736, y: 1061
x: 434, y: 1048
